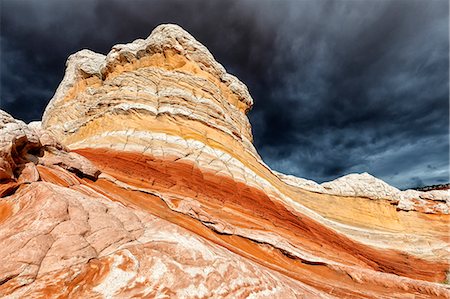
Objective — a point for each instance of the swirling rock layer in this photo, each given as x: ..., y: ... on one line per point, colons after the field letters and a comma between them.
x: 143, y: 182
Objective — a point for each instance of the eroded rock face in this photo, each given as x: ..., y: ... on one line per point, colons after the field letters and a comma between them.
x: 142, y: 181
x: 169, y: 74
x: 23, y: 147
x: 18, y: 145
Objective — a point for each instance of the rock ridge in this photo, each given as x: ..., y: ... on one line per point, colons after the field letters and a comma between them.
x: 366, y: 185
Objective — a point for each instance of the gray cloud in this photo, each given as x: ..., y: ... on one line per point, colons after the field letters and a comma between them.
x: 339, y: 86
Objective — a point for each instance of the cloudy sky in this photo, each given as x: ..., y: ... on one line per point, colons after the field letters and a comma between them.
x: 339, y: 86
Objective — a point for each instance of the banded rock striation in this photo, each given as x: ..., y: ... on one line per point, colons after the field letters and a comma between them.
x: 142, y: 181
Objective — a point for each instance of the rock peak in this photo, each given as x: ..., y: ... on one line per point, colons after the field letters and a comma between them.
x: 169, y: 53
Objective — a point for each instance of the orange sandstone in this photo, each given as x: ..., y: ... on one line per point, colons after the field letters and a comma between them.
x: 142, y: 181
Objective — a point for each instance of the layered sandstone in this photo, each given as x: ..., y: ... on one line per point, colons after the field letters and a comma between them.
x: 143, y: 181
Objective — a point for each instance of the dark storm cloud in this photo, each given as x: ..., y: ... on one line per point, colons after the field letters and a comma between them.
x: 366, y: 89
x: 339, y: 86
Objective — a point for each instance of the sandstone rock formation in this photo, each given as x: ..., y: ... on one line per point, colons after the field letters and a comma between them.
x: 142, y: 181
x: 365, y: 185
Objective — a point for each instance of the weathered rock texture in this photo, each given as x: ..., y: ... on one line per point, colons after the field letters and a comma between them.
x: 142, y: 181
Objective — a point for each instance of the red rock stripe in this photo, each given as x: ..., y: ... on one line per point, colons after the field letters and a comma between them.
x: 219, y: 192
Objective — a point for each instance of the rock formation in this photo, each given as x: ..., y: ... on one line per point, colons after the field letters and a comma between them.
x: 142, y: 181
